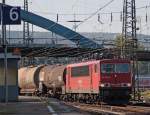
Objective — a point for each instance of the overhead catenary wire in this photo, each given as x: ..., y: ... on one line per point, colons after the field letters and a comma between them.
x: 91, y: 17
x: 74, y: 4
x: 114, y: 12
x: 109, y: 13
x: 95, y: 12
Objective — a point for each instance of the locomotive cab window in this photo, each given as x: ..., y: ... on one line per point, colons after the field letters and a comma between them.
x: 107, y: 68
x: 115, y: 68
x: 80, y: 71
x: 122, y: 68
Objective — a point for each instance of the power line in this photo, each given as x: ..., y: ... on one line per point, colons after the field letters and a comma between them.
x: 114, y: 12
x: 95, y: 12
x: 74, y: 4
x: 51, y: 13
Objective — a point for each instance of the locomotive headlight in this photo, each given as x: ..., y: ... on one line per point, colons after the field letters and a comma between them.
x: 129, y: 84
x: 102, y: 85
x: 126, y: 84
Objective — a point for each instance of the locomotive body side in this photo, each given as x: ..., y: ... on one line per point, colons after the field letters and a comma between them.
x: 82, y: 78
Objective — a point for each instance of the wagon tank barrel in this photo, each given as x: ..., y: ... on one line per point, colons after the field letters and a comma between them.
x: 29, y: 78
x: 54, y: 76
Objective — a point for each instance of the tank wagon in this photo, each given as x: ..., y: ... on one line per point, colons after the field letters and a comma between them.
x: 87, y: 81
x: 41, y: 79
x: 29, y: 79
x: 53, y: 81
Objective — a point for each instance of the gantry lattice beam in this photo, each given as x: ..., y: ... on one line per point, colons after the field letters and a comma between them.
x: 129, y: 39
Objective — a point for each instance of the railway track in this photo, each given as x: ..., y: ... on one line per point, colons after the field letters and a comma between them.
x: 112, y: 110
x: 105, y: 109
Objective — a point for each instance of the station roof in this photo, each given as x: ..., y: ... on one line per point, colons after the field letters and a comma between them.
x: 62, y: 51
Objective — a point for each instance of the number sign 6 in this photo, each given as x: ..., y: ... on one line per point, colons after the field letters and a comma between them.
x: 11, y: 15
x: 14, y: 14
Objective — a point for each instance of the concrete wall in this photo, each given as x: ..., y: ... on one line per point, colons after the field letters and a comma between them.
x: 12, y: 79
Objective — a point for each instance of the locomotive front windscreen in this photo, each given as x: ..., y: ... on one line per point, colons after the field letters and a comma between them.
x: 115, y: 68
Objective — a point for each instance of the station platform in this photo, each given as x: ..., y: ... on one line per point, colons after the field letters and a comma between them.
x: 25, y: 106
x: 28, y: 105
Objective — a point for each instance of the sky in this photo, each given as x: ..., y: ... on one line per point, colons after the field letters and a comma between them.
x: 70, y: 9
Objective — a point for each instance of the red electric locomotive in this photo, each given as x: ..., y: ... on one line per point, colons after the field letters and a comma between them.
x: 103, y: 79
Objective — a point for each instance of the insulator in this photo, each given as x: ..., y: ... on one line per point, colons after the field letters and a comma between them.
x: 146, y: 18
x: 120, y: 16
x: 111, y: 17
x: 98, y: 17
x: 146, y: 15
x: 57, y: 17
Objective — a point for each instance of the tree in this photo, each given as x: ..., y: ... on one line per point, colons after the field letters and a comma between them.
x: 143, y: 67
x: 126, y: 47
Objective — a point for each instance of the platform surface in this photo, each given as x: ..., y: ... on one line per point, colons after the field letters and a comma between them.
x: 25, y: 106
x: 29, y: 105
x: 60, y: 108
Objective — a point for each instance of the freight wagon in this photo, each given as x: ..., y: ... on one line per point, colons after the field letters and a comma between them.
x: 144, y: 82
